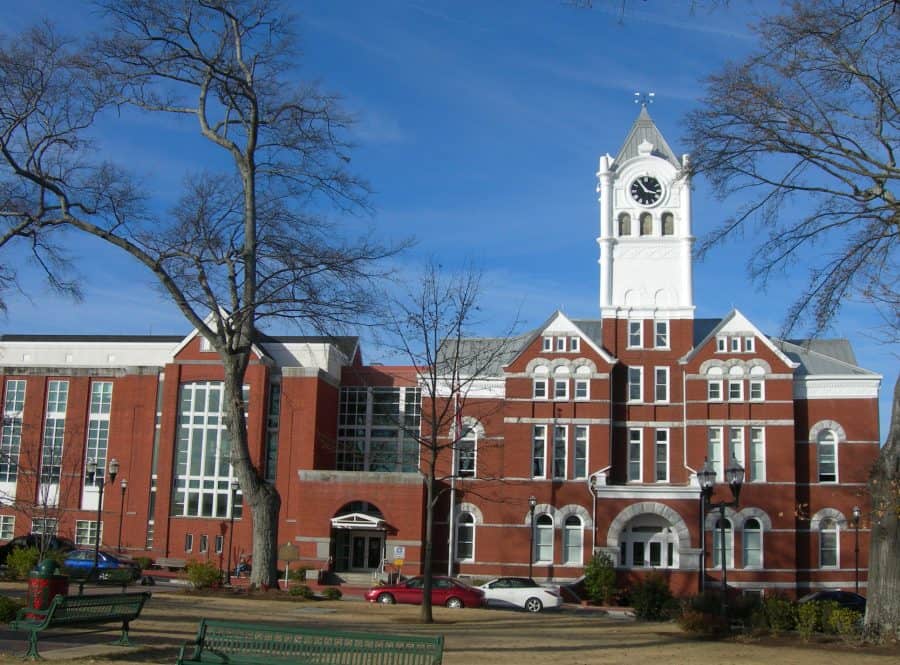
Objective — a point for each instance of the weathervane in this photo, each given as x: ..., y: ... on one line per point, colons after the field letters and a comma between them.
x: 644, y: 98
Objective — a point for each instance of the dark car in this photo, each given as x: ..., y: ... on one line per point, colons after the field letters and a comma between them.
x: 847, y: 599
x: 444, y: 591
x: 78, y: 564
x: 44, y: 543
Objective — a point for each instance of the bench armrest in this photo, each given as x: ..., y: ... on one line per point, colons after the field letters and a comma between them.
x: 194, y: 644
x: 32, y: 615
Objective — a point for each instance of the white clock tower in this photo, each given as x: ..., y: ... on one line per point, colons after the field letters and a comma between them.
x: 645, y: 229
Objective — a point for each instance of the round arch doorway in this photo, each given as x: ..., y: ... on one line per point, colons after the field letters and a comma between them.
x: 358, y: 538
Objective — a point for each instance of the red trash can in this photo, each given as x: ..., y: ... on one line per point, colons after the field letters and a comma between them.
x: 44, y: 585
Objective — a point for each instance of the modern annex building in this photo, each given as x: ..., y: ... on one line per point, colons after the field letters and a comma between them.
x: 605, y: 422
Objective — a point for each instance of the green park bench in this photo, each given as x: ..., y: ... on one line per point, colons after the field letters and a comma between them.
x: 238, y: 643
x: 80, y: 611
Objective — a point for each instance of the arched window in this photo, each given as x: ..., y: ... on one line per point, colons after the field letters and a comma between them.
x: 828, y: 543
x: 543, y: 539
x: 465, y: 537
x: 465, y: 453
x: 668, y: 224
x: 572, y: 540
x: 646, y: 224
x: 717, y: 544
x: 752, y: 543
x: 826, y: 456
x: 624, y: 224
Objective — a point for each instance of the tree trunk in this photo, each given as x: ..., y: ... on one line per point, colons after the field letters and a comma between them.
x: 426, y: 615
x: 883, y: 588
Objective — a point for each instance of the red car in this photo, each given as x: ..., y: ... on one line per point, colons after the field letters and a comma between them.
x: 444, y: 591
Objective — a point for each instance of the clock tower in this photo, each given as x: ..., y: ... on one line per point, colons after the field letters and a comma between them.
x: 645, y: 229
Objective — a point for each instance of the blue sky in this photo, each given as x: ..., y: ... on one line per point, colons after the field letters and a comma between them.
x: 480, y: 124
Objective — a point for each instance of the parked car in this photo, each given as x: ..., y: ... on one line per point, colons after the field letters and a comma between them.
x: 444, y: 591
x: 46, y: 543
x: 110, y: 567
x: 521, y: 592
x: 847, y: 599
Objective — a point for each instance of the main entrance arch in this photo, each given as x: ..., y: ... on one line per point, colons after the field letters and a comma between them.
x: 358, y: 535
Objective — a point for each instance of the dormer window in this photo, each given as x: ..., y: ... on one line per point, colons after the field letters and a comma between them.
x: 574, y: 344
x: 547, y: 344
x: 560, y: 343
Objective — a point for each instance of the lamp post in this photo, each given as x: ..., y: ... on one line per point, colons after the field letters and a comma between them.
x: 123, y: 484
x: 857, y: 513
x: 532, y: 503
x: 234, y: 486
x: 101, y: 483
x: 734, y: 476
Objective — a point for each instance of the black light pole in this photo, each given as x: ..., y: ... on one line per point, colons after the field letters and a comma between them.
x: 702, y: 542
x: 734, y: 476
x: 857, y: 513
x: 101, y: 483
x: 532, y: 503
x: 123, y: 484
x: 234, y: 485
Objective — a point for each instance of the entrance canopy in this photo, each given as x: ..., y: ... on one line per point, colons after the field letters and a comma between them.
x: 357, y: 521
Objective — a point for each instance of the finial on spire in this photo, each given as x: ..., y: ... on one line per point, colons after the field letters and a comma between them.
x: 644, y: 98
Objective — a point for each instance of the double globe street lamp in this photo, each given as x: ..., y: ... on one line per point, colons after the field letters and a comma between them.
x: 532, y: 503
x: 734, y: 476
x: 100, y: 482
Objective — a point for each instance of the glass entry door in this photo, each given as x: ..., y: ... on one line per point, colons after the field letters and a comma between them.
x: 358, y: 551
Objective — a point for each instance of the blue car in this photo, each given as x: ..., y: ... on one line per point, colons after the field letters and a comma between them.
x: 110, y: 568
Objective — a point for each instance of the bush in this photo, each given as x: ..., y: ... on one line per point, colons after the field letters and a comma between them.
x: 22, y: 561
x: 845, y: 622
x: 652, y: 599
x: 203, y: 574
x: 780, y: 614
x: 302, y: 591
x: 8, y: 608
x: 332, y: 593
x: 145, y: 562
x: 702, y: 623
x: 600, y: 578
x: 298, y: 574
x: 809, y: 619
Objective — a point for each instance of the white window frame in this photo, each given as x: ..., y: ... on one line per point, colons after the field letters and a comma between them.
x: 721, y: 344
x: 635, y: 443
x: 714, y: 450
x: 45, y: 525
x: 830, y: 526
x: 739, y: 383
x: 188, y: 542
x: 11, y: 433
x: 661, y: 388
x: 745, y: 544
x: 736, y: 445
x: 735, y: 344
x: 756, y: 468
x: 204, y: 543
x: 760, y: 389
x: 749, y: 344
x: 560, y: 389
x: 635, y: 333
x: 661, y: 329
x: 7, y: 527
x: 636, y: 384
x: 582, y: 389
x: 573, y: 541
x: 547, y: 344
x: 561, y: 344
x: 820, y: 443
x: 539, y: 450
x: 220, y: 543
x: 560, y: 451
x: 717, y: 544
x: 469, y: 441
x: 543, y: 538
x: 661, y: 443
x: 580, y: 448
x: 574, y: 344
x: 711, y: 394
x: 465, y: 522
x: 539, y: 386
x: 86, y: 532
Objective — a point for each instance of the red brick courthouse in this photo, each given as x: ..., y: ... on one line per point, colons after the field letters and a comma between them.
x: 604, y: 421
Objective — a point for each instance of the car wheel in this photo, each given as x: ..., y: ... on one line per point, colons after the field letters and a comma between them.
x: 534, y: 605
x: 386, y: 599
x: 455, y: 603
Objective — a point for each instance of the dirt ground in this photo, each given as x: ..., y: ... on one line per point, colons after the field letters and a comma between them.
x: 567, y: 637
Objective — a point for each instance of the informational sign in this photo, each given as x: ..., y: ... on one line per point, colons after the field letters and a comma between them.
x: 399, y: 552
x: 288, y: 552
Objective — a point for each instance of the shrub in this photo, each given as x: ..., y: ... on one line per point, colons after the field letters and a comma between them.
x: 332, y: 593
x: 144, y: 562
x: 203, y: 574
x: 652, y: 599
x: 600, y: 578
x: 298, y: 574
x: 845, y: 622
x: 780, y: 614
x: 743, y: 608
x: 302, y: 591
x: 702, y: 623
x: 22, y: 561
x: 8, y: 608
x: 809, y: 619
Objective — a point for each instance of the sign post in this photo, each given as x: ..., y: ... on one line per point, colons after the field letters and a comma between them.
x: 288, y: 553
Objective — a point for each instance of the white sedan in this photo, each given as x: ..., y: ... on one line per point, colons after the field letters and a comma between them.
x: 521, y: 592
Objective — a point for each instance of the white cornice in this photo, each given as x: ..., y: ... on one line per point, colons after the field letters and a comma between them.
x: 826, y: 386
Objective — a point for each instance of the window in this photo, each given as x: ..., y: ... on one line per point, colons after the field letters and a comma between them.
x: 560, y: 444
x: 752, y: 554
x: 668, y: 224
x: 465, y: 537
x: 11, y: 437
x: 572, y: 541
x: 547, y: 344
x: 757, y: 467
x: 635, y: 384
x: 98, y: 428
x: 539, y: 389
x: 721, y: 344
x: 648, y: 541
x: 661, y: 384
x: 574, y: 344
x: 7, y: 526
x: 735, y: 391
x: 44, y: 525
x: 635, y: 441
x: 377, y: 429
x: 635, y: 334
x: 827, y: 456
x: 204, y: 543
x: 465, y: 454
x: 543, y: 539
x: 220, y: 543
x: 646, y: 224
x: 661, y: 459
x: 661, y: 334
x: 204, y: 344
x: 714, y: 391
x: 582, y: 389
x: 538, y: 450
x: 717, y: 544
x: 735, y: 343
x: 581, y: 449
x: 749, y: 344
x: 736, y: 445
x: 560, y: 343
x: 714, y: 451
x: 757, y: 393
x: 86, y: 532
x: 188, y: 542
x: 624, y: 224
x: 54, y: 432
x: 560, y: 389
x: 828, y: 543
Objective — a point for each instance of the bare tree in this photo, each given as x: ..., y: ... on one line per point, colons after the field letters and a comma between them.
x: 806, y: 132
x: 433, y: 327
x: 245, y: 243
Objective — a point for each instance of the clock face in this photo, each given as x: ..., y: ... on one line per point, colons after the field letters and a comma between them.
x: 646, y: 190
